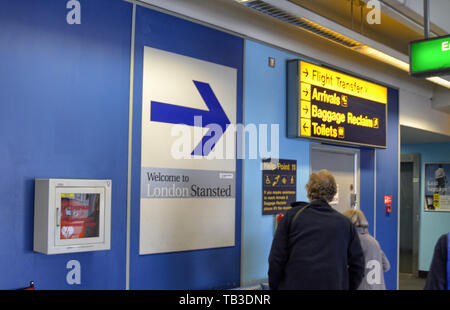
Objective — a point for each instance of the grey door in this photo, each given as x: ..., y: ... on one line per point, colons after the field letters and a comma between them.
x: 406, y: 217
x: 409, y: 213
x: 343, y: 163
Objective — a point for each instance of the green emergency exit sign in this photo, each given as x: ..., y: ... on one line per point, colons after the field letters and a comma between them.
x: 430, y: 57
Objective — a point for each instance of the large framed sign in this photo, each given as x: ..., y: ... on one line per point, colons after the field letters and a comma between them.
x: 328, y: 105
x: 429, y: 57
x: 188, y: 183
x: 437, y: 189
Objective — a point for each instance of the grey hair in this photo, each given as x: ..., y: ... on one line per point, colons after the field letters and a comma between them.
x: 321, y: 185
x: 357, y: 218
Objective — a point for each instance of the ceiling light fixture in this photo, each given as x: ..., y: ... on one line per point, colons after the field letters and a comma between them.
x: 326, y: 33
x: 378, y: 55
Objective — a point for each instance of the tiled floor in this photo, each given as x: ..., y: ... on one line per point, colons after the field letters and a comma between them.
x: 410, y: 282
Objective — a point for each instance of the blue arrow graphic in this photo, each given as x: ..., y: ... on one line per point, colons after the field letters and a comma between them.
x: 174, y: 114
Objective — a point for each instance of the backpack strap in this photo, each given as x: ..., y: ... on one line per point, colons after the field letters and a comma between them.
x: 314, y: 202
x: 297, y: 215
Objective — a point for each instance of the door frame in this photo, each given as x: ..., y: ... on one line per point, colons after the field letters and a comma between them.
x: 340, y: 150
x: 415, y: 160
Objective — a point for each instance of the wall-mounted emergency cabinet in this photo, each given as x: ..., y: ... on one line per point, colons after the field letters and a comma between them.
x: 72, y: 215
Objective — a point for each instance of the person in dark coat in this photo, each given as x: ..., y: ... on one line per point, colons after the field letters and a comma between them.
x: 438, y: 276
x: 320, y: 249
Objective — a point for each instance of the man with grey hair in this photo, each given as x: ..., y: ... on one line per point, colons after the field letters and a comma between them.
x: 315, y: 247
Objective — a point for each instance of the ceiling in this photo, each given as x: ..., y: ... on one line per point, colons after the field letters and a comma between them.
x: 348, y: 13
x: 411, y: 135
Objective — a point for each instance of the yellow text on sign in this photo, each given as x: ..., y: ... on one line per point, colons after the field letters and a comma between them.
x: 340, y: 82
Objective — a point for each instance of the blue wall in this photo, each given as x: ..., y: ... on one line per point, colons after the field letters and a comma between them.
x: 432, y: 224
x: 64, y: 114
x: 367, y: 186
x: 387, y: 175
x: 265, y: 103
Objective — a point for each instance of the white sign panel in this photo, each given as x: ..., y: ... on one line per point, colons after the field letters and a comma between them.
x: 187, y: 105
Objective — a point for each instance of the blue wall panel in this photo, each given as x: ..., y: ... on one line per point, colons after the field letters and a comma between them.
x: 64, y: 114
x: 200, y: 269
x: 387, y: 184
x: 265, y: 103
x: 367, y: 186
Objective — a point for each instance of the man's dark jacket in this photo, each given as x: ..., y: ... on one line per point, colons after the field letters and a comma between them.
x: 322, y: 252
x: 437, y: 278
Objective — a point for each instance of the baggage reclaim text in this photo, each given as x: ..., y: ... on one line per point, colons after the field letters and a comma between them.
x: 338, y: 118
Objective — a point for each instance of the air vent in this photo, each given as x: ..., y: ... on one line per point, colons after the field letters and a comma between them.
x: 300, y: 22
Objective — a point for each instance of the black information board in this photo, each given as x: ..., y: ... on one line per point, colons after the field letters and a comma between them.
x: 328, y: 105
x: 279, y: 184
